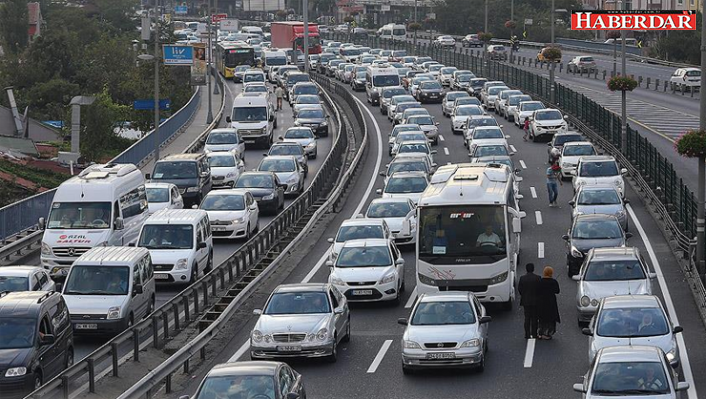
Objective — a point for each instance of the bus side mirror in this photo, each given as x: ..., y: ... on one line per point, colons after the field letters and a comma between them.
x: 516, y: 225
x: 42, y: 223
x: 228, y: 119
x: 118, y: 224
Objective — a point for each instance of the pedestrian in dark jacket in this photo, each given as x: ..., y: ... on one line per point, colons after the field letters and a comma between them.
x: 528, y: 289
x: 547, y: 306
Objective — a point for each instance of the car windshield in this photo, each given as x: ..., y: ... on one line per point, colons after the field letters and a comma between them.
x: 277, y: 165
x: 633, y: 379
x: 386, y: 80
x: 478, y: 82
x: 410, y: 137
x: 296, y: 78
x: 298, y: 134
x: 346, y: 233
x: 498, y: 161
x: 450, y: 97
x: 507, y: 93
x: 364, y: 256
x: 495, y: 90
x: 612, y: 270
x: 466, y: 77
x: 419, y: 80
x: 223, y: 202
x: 598, y: 169
x: 489, y: 150
x: 305, y: 89
x: 443, y: 313
x: 514, y: 100
x: 13, y: 283
x: 547, y: 115
x: 166, y: 236
x: 156, y: 194
x: 405, y: 185
x: 286, y: 150
x: 561, y: 139
x: 597, y: 230
x: 97, y: 280
x: 349, y: 51
x: 435, y: 67
x: 283, y: 303
x: 253, y: 88
x: 221, y: 161
x: 469, y: 111
x: 388, y: 210
x: 79, y: 215
x: 311, y: 114
x: 577, y: 150
x: 467, y: 101
x: 223, y: 137
x: 389, y: 93
x: 406, y: 148
x: 448, y: 70
x: 407, y: 167
x: 253, y: 77
x: 430, y: 85
x: 249, y: 114
x: 255, y: 181
x: 599, y: 197
x: 17, y: 332
x: 165, y: 170
x: 399, y: 129
x: 488, y: 134
x: 421, y: 120
x: 307, y: 99
x: 693, y: 73
x: 237, y: 387
x: 399, y: 32
x: 242, y: 68
x: 632, y: 322
x: 400, y: 99
x: 531, y: 106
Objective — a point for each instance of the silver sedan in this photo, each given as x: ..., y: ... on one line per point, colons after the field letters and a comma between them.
x: 301, y: 320
x: 604, y: 200
x: 445, y: 329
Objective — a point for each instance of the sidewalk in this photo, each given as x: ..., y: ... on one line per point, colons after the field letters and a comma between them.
x: 196, y: 127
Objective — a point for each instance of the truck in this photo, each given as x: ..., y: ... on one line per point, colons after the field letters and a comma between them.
x: 290, y: 35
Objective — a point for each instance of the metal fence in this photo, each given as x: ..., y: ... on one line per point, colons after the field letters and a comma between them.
x: 675, y: 203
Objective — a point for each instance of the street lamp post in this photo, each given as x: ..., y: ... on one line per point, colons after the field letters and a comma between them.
x: 701, y: 196
x: 416, y: 21
x: 623, y: 72
x: 485, y: 28
x: 552, y: 69
x: 209, y: 117
x: 305, y: 12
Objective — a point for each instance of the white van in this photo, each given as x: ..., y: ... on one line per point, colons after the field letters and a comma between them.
x: 252, y: 30
x: 274, y: 60
x: 377, y: 79
x: 109, y: 289
x: 105, y: 205
x: 393, y: 32
x: 253, y: 116
x: 180, y: 243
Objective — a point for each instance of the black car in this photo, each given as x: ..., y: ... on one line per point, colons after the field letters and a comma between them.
x: 36, y: 341
x: 323, y: 62
x: 475, y: 86
x: 254, y: 379
x: 471, y: 40
x: 430, y: 91
x: 265, y: 187
x: 189, y: 172
x: 293, y: 78
x: 557, y: 143
x: 592, y: 231
x: 315, y: 118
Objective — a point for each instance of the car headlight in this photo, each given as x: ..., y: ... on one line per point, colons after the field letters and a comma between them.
x: 311, y: 145
x: 471, y: 343
x: 585, y: 301
x: 499, y: 278
x: 581, y: 182
x: 389, y: 278
x: 323, y: 123
x: 267, y: 338
x: 181, y: 264
x: 673, y: 353
x: 335, y: 280
x: 238, y: 220
x: 539, y: 128
x: 576, y: 253
x: 46, y: 249
x: 618, y: 182
x: 113, y: 313
x: 620, y: 213
x: 293, y: 179
x: 256, y: 336
x: 192, y: 190
x: 322, y: 334
x: 297, y: 123
x: 411, y: 345
x: 16, y: 372
x: 269, y: 196
x: 230, y: 175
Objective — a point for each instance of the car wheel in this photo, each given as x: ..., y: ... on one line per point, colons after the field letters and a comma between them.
x: 507, y: 306
x: 315, y: 154
x: 209, y: 265
x: 37, y: 380
x: 581, y: 324
x: 347, y: 337
x: 248, y: 233
x: 481, y: 365
x: 407, y: 370
x: 69, y: 358
x: 150, y: 308
x: 194, y: 274
x: 333, y: 357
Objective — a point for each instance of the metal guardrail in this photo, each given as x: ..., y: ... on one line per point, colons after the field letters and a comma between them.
x: 163, y: 373
x: 185, y: 307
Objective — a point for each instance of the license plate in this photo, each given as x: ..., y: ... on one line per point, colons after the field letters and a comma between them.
x: 362, y: 292
x: 441, y: 355
x: 218, y: 228
x: 289, y: 348
x: 161, y: 276
x: 86, y: 326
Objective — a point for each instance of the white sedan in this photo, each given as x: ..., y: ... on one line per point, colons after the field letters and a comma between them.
x: 225, y: 168
x: 163, y: 196
x: 547, y: 123
x: 400, y: 216
x: 409, y: 185
x: 304, y: 136
x: 233, y: 213
x: 25, y: 278
x: 445, y: 41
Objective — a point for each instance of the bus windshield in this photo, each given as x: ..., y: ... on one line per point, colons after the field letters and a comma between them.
x: 79, y: 215
x: 457, y: 234
x: 275, y: 61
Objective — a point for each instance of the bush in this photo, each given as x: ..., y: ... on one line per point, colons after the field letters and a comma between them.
x: 612, y: 34
x: 551, y: 54
x: 414, y: 26
x: 485, y: 37
x: 622, y: 83
x: 348, y: 19
x: 692, y: 144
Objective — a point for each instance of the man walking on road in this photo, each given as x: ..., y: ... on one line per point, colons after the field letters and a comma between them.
x: 528, y: 286
x: 553, y: 176
x: 279, y: 93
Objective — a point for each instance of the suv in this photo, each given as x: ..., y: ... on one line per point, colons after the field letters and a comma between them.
x: 37, y: 341
x: 581, y: 63
x: 471, y: 40
x: 189, y: 172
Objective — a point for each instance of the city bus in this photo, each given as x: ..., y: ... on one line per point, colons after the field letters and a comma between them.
x: 468, y: 235
x: 230, y: 55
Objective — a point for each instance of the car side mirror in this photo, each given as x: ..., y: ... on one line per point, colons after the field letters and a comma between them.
x: 549, y: 144
x: 577, y: 387
x: 436, y: 123
x: 257, y: 312
x: 194, y: 206
x: 433, y: 152
x: 626, y: 201
x: 202, y: 245
x: 623, y: 171
x: 47, y: 339
x: 137, y: 289
x: 586, y: 331
x: 118, y: 224
x: 403, y: 321
x: 399, y: 262
x: 338, y: 311
x: 485, y: 319
x: 229, y: 121
x: 516, y: 225
x: 572, y: 202
x: 383, y: 174
x: 205, y: 174
x: 378, y: 191
x: 628, y: 235
x: 42, y: 223
x: 566, y: 117
x: 565, y: 237
x: 652, y: 276
x: 677, y: 329
x: 329, y: 263
x: 132, y: 244
x: 576, y: 277
x: 330, y: 240
x: 682, y: 386
x: 147, y: 176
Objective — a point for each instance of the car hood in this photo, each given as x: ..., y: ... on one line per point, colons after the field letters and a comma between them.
x: 56, y: 238
x: 94, y: 304
x: 259, y: 192
x: 442, y: 333
x: 428, y: 128
x: 574, y: 160
x: 395, y: 224
x: 310, y: 120
x: 598, y: 209
x: 584, y: 245
x: 431, y: 91
x: 483, y: 142
x: 249, y: 125
x: 303, y: 323
x: 354, y: 274
x: 599, y: 180
x: 459, y: 119
x: 225, y: 216
x: 550, y: 122
x: 413, y: 196
x: 303, y: 142
x: 169, y: 256
x: 661, y: 341
x: 603, y: 289
x: 156, y: 206
x: 219, y: 147
x: 224, y: 171
x: 284, y: 176
x: 14, y: 358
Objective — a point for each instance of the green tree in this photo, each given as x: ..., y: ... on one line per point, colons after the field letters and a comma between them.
x: 13, y: 25
x: 97, y: 137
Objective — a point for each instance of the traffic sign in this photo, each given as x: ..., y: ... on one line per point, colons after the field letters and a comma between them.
x: 177, y: 54
x: 215, y: 18
x: 181, y: 9
x: 332, y: 21
x: 145, y: 105
x: 529, y: 21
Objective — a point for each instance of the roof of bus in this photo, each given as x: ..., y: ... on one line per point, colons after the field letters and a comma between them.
x: 476, y: 183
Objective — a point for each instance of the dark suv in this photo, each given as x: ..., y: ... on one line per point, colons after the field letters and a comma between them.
x: 36, y: 341
x: 189, y: 172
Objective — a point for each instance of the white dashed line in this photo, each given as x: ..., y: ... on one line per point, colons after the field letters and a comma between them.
x: 512, y: 147
x: 411, y: 299
x: 540, y: 250
x: 529, y: 353
x: 441, y: 138
x: 240, y: 352
x: 538, y: 215
x: 533, y: 191
x: 446, y: 151
x: 522, y: 163
x: 381, y: 354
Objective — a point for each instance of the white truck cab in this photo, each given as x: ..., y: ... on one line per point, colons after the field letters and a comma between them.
x: 253, y: 116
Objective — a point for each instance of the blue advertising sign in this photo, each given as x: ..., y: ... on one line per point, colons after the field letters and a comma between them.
x: 181, y: 9
x: 146, y: 105
x: 177, y: 55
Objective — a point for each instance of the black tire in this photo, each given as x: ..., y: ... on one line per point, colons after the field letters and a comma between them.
x: 507, y: 306
x: 209, y: 265
x: 150, y: 309
x: 333, y: 357
x: 69, y: 358
x: 38, y: 380
x: 247, y: 232
x: 194, y: 274
x: 407, y: 370
x: 347, y: 337
x: 481, y: 366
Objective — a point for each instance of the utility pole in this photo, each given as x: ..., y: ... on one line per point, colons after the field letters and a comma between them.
x: 156, y: 83
x: 416, y: 21
x: 209, y: 117
x: 701, y: 196
x: 552, y: 69
x: 624, y: 119
x: 485, y: 29
x: 305, y: 15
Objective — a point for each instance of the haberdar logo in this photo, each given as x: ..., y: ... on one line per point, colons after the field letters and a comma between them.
x: 633, y: 20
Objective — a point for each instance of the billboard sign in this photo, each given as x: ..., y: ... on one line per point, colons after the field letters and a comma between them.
x: 644, y: 20
x: 177, y: 54
x: 198, y: 66
x: 181, y: 10
x: 164, y: 104
x: 229, y: 25
x: 215, y: 18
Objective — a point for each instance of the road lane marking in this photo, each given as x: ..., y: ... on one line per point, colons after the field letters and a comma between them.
x: 529, y: 352
x: 411, y: 299
x: 441, y: 138
x: 540, y: 250
x: 246, y: 346
x: 683, y: 354
x: 381, y: 354
x: 512, y: 147
x: 446, y: 151
x: 522, y: 163
x: 538, y: 215
x: 533, y: 191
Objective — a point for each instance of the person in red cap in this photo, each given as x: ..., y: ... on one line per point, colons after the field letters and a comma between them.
x: 553, y: 177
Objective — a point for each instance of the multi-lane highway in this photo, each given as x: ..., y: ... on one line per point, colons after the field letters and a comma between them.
x: 370, y: 365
